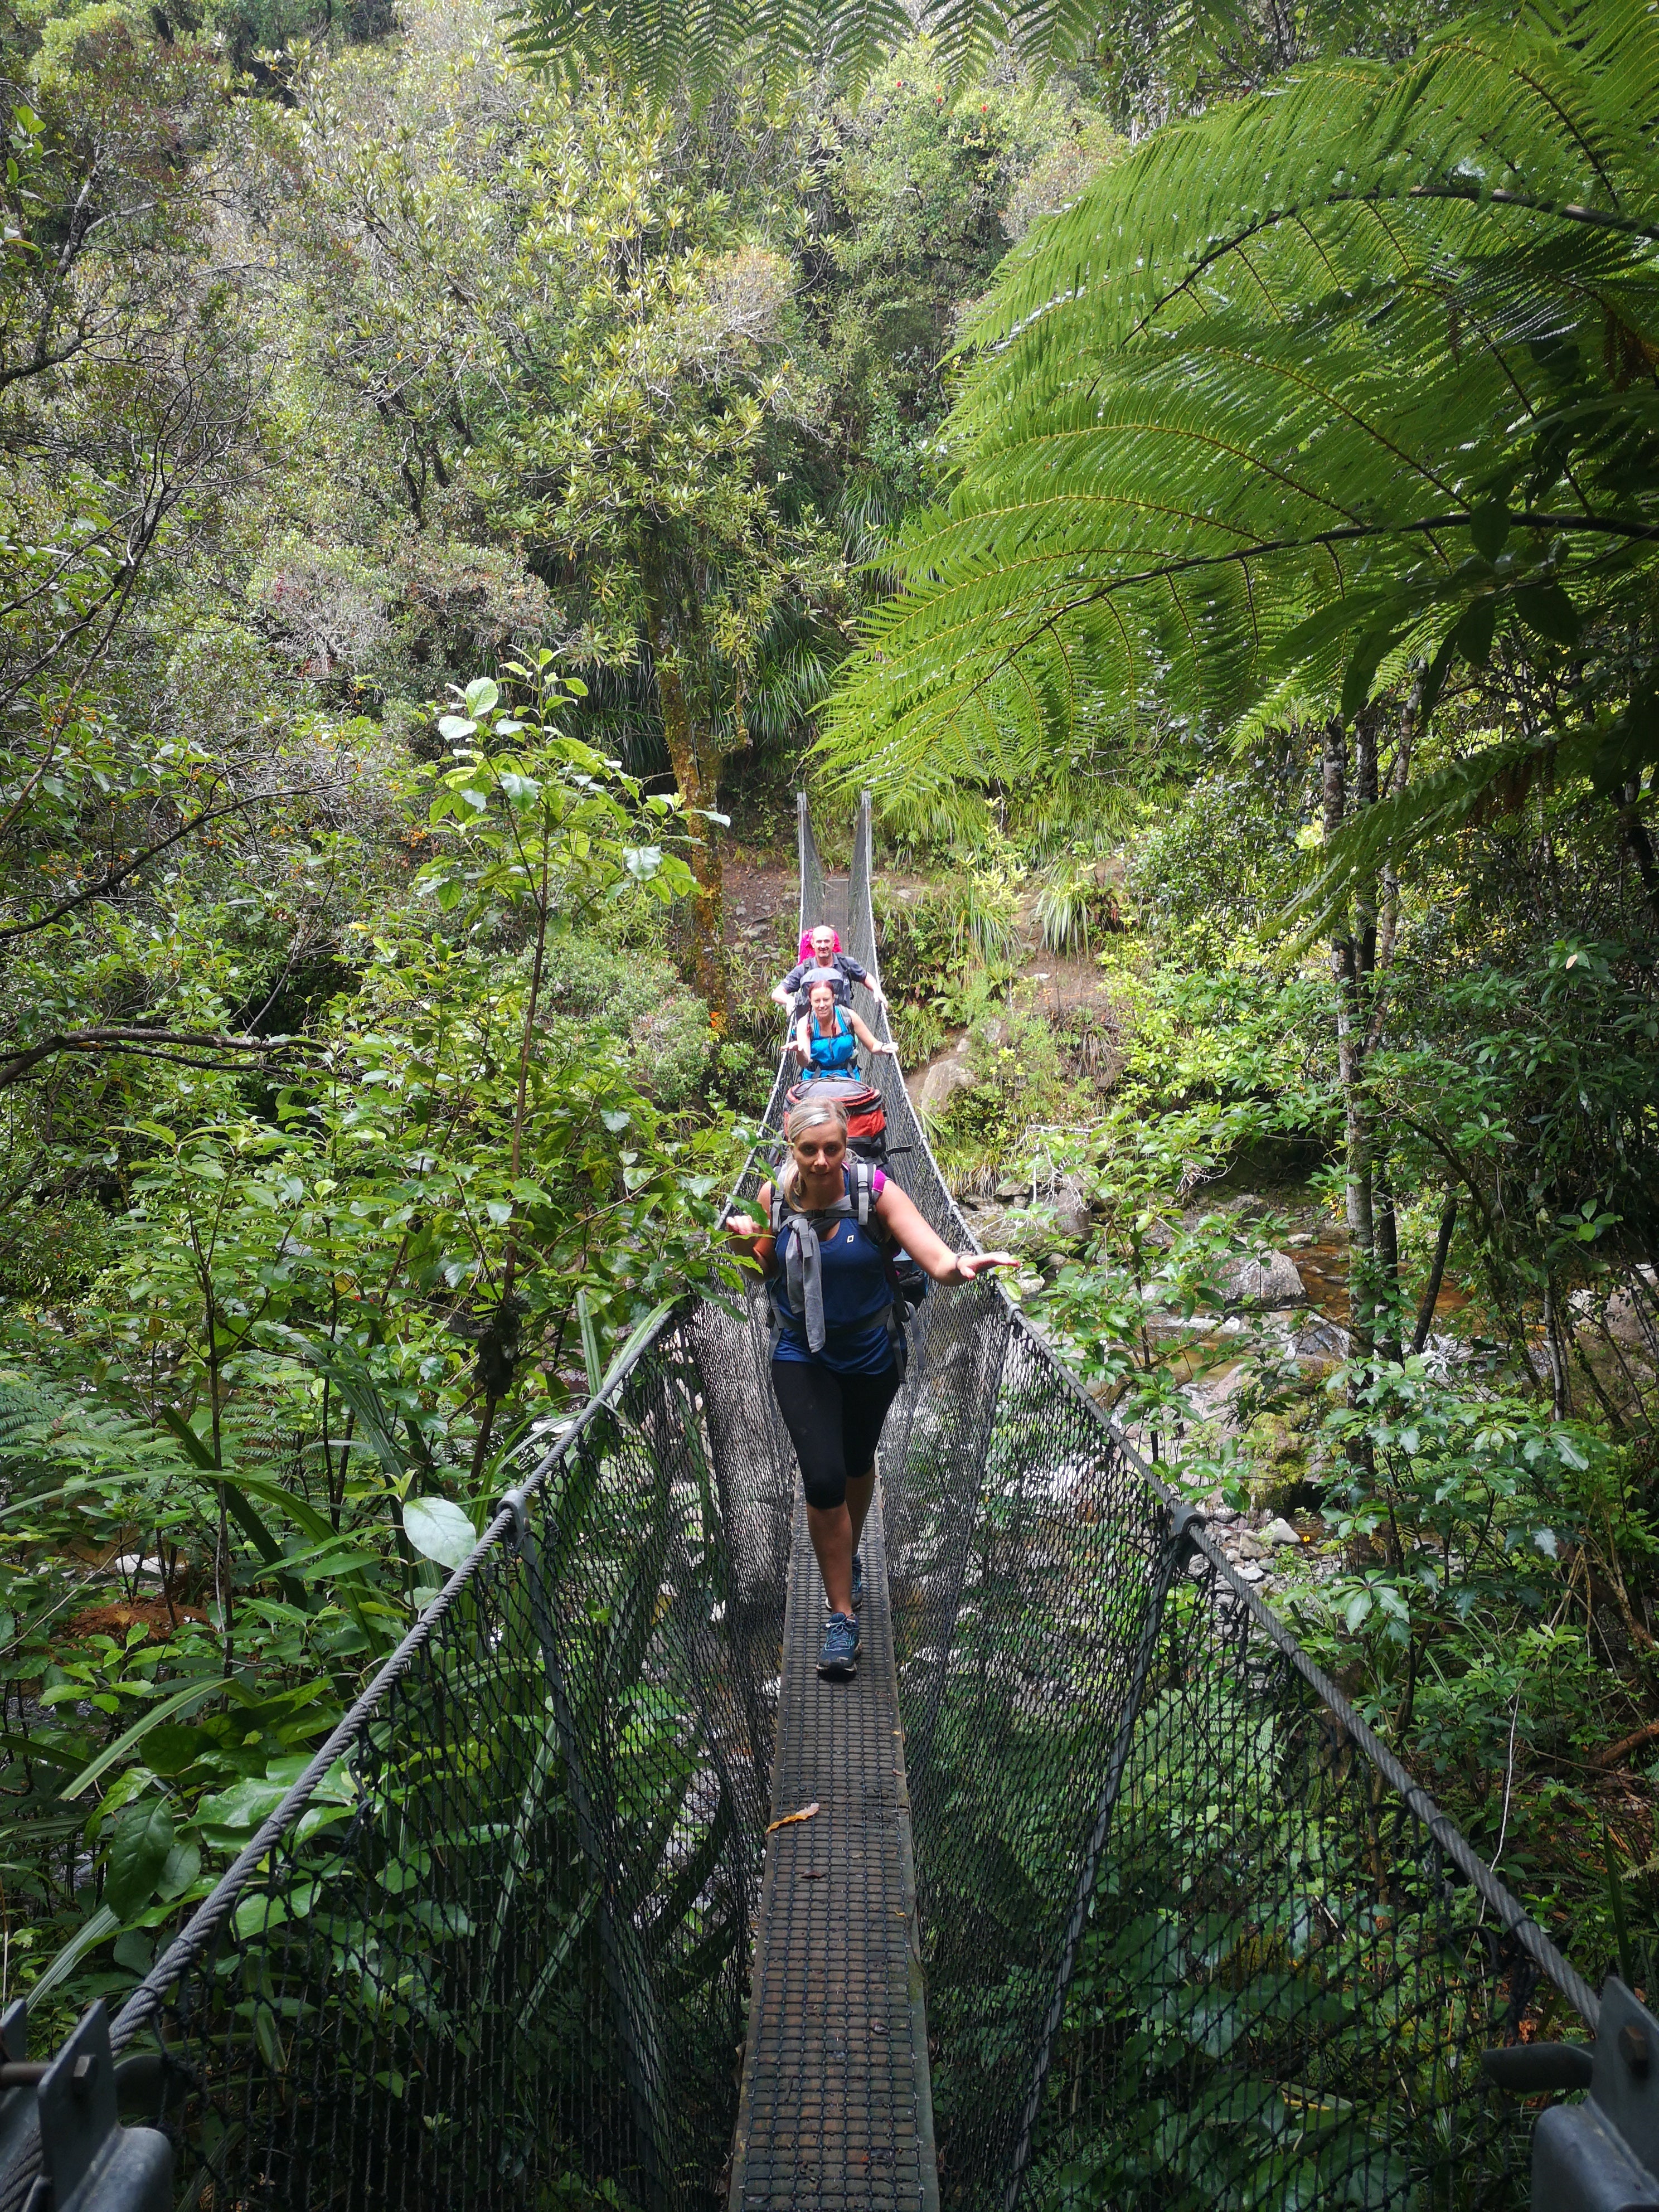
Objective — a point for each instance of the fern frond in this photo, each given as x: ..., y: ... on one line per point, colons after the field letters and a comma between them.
x: 1325, y: 366
x: 666, y: 51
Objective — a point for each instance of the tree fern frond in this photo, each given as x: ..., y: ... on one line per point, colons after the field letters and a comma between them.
x: 666, y: 51
x: 1327, y: 365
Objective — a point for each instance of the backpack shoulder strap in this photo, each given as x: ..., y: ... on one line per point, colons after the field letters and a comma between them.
x: 860, y: 1190
x: 783, y: 1214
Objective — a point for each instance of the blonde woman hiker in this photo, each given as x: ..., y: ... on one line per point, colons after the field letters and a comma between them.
x: 826, y: 1244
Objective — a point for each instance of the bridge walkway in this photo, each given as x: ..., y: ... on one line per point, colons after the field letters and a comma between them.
x: 836, y: 2108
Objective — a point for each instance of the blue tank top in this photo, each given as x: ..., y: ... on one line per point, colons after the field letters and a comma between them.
x: 856, y: 1297
x: 833, y: 1056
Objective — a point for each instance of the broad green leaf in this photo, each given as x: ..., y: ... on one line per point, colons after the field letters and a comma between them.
x: 244, y: 1805
x: 1546, y: 609
x: 137, y: 1854
x: 182, y: 1865
x: 440, y: 1530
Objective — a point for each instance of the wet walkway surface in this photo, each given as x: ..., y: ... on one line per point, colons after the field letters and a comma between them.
x: 836, y: 2108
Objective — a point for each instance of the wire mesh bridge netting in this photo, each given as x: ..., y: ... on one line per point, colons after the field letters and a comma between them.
x: 1191, y: 1937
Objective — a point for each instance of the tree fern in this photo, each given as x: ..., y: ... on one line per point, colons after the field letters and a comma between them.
x: 670, y: 50
x: 1323, y: 381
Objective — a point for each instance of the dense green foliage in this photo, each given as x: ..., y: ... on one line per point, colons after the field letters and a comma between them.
x: 438, y: 495
x: 422, y: 483
x: 1299, y: 513
x: 1304, y: 390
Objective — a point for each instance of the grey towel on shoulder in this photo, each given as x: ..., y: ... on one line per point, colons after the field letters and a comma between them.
x: 803, y: 1271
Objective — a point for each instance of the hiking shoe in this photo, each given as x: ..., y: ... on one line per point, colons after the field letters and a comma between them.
x: 858, y: 1586
x: 838, y: 1661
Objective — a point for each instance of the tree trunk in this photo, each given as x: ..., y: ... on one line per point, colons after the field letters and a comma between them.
x: 1387, y: 1258
x: 696, y: 778
x: 1639, y: 845
x: 1351, y: 1025
x: 1436, y: 1272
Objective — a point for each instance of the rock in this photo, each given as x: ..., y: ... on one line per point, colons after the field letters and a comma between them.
x: 1223, y: 1515
x: 1249, y: 1547
x: 1627, y: 1315
x: 1250, y: 1573
x: 1279, y: 1531
x: 1320, y: 1339
x: 994, y: 1031
x: 1630, y: 1322
x: 1270, y: 1282
x: 1013, y: 1193
x: 1300, y: 1241
x: 1072, y: 1216
x: 941, y: 1083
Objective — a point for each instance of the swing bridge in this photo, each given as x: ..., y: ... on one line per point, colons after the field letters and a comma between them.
x: 1091, y: 1890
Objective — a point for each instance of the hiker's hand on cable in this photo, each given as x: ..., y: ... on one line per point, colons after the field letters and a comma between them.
x: 970, y: 1264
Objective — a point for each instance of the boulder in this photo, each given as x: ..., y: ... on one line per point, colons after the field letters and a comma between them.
x: 1270, y: 1281
x: 1279, y: 1531
x: 1321, y: 1339
x: 1072, y: 1216
x: 1630, y: 1320
x: 941, y: 1083
x: 1627, y: 1315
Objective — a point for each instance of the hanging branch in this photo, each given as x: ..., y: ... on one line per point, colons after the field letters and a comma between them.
x: 185, y: 1048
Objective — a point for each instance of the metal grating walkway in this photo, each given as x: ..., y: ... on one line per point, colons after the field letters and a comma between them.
x: 836, y: 2108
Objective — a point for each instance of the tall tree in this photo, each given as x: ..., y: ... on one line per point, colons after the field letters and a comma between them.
x: 602, y: 355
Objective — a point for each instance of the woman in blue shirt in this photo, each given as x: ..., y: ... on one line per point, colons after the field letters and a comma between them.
x: 827, y: 1036
x: 833, y: 1369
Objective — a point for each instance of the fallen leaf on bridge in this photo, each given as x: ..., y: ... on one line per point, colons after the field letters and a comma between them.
x: 789, y: 1819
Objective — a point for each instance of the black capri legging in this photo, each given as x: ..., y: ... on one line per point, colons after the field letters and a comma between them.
x: 835, y: 1421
